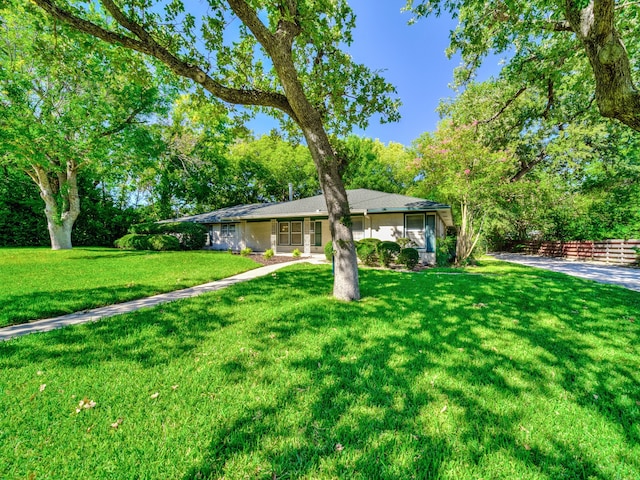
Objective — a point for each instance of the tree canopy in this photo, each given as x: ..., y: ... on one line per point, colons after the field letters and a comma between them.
x: 553, y: 44
x: 68, y: 104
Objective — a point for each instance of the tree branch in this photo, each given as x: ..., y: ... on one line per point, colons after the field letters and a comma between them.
x: 504, y: 107
x: 147, y: 45
x: 557, y: 26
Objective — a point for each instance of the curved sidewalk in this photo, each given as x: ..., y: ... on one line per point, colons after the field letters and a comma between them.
x: 95, y: 314
x: 616, y: 275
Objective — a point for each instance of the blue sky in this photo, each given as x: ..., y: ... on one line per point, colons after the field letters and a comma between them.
x: 414, y: 61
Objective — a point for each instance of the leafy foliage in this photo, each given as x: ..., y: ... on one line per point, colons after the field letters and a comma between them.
x: 328, y: 250
x: 409, y: 257
x: 191, y: 235
x: 387, y: 251
x: 367, y: 250
x: 164, y: 242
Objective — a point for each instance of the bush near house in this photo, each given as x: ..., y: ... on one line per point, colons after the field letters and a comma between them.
x: 328, y: 250
x: 367, y: 251
x: 409, y: 257
x: 134, y: 241
x: 190, y: 236
x: 446, y: 251
x: 387, y: 252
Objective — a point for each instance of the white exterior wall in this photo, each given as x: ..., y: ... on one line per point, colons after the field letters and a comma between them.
x: 326, y: 237
x: 217, y: 242
x: 384, y: 226
x: 258, y: 235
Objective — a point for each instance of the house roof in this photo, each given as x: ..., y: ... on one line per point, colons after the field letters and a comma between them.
x: 361, y: 201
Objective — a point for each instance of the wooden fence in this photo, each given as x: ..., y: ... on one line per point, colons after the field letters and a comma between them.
x: 607, y: 251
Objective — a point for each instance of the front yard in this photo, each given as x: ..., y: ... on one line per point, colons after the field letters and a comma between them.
x: 39, y: 283
x: 497, y: 372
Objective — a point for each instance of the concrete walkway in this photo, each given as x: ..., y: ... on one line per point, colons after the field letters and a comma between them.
x: 95, y: 314
x: 623, y: 276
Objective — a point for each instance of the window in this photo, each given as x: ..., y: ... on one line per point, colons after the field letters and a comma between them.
x: 290, y: 233
x: 317, y: 237
x: 296, y: 233
x: 414, y: 226
x: 228, y: 230
x: 357, y: 226
x: 283, y: 233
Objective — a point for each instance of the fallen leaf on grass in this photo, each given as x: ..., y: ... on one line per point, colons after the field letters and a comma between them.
x: 595, y: 396
x: 526, y: 447
x: 85, y: 404
x: 524, y: 429
x: 155, y: 395
x: 444, y: 409
x: 479, y: 305
x: 173, y: 387
x: 117, y: 423
x: 42, y: 387
x: 339, y: 447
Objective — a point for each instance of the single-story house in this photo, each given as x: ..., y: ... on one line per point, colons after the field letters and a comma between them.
x: 303, y: 224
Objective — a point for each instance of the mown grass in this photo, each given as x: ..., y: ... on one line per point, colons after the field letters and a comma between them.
x: 499, y: 372
x: 39, y: 283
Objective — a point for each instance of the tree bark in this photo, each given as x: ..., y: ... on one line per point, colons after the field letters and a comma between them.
x: 60, y: 218
x: 616, y: 95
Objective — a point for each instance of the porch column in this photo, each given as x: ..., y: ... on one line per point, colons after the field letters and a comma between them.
x: 307, y: 236
x: 274, y: 236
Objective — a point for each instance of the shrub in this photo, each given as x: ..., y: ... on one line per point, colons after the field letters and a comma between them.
x: 445, y: 251
x: 163, y: 242
x: 404, y: 242
x: 328, y: 250
x: 133, y: 241
x: 409, y: 257
x: 192, y: 236
x: 387, y: 251
x: 268, y: 254
x: 296, y: 253
x: 245, y: 252
x: 366, y: 250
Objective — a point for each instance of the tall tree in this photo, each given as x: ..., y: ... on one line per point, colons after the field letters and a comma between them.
x: 454, y: 167
x: 370, y: 164
x: 67, y: 103
x: 284, y: 56
x: 543, y: 39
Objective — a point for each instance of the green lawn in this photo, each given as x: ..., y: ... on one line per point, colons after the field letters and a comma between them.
x: 39, y: 282
x: 499, y: 372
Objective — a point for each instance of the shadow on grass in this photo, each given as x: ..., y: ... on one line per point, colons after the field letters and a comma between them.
x: 20, y: 309
x: 431, y: 375
x: 378, y: 410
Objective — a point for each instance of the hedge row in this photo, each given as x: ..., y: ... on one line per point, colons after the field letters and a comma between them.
x: 164, y: 236
x: 134, y: 241
x: 372, y: 251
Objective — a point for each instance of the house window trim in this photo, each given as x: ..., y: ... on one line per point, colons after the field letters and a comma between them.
x: 424, y: 229
x: 290, y: 232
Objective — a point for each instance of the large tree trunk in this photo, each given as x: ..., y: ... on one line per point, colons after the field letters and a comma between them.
x: 616, y: 95
x: 62, y: 203
x: 279, y: 47
x: 345, y: 281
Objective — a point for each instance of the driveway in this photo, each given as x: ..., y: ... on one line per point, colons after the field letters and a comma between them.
x: 623, y: 276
